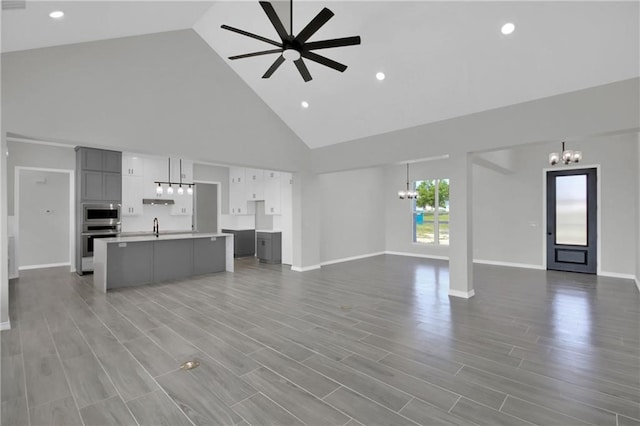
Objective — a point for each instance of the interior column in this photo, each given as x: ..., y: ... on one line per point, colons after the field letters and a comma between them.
x: 306, y: 222
x: 461, y: 227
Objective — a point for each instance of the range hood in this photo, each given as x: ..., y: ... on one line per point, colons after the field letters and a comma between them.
x: 158, y: 201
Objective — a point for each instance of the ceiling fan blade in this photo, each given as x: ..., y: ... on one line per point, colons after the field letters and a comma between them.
x: 274, y: 67
x: 275, y: 20
x: 315, y: 24
x: 302, y: 68
x: 324, y: 61
x: 249, y: 55
x: 336, y: 42
x: 248, y: 34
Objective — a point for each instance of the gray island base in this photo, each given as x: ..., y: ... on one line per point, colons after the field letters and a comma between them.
x: 144, y: 259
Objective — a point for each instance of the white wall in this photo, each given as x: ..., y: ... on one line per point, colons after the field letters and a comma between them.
x: 638, y: 221
x: 43, y: 217
x: 508, y: 212
x: 35, y: 155
x: 166, y: 221
x: 165, y: 93
x: 596, y: 110
x: 352, y: 213
x: 399, y: 217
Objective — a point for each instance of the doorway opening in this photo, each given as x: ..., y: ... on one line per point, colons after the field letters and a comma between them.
x: 572, y: 220
x: 44, y: 214
x: 206, y: 207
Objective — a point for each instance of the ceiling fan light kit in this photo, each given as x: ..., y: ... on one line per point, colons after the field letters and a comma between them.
x: 295, y: 48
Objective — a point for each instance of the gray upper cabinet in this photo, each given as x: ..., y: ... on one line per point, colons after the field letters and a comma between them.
x: 91, y: 159
x: 100, y: 174
x: 112, y: 186
x: 112, y: 161
x: 91, y: 186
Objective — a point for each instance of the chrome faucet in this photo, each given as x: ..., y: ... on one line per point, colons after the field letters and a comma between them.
x: 156, y: 227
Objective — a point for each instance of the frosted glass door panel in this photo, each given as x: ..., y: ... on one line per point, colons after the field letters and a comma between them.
x: 571, y: 210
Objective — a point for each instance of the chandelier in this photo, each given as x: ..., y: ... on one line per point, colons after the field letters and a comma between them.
x: 408, y: 194
x: 568, y: 156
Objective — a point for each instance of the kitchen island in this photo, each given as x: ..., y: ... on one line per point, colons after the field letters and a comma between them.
x: 127, y: 261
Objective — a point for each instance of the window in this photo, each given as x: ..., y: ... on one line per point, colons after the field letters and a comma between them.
x: 431, y: 212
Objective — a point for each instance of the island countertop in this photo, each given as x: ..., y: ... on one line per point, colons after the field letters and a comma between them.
x: 132, y: 260
x: 168, y: 236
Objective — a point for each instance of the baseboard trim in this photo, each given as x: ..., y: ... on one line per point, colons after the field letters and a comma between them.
x: 616, y: 275
x: 425, y: 256
x: 348, y: 259
x: 305, y: 268
x: 46, y: 265
x: 638, y: 283
x: 463, y: 294
x: 509, y: 264
x: 5, y: 325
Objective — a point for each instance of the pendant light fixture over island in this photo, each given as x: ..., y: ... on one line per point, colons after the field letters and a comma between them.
x: 160, y: 188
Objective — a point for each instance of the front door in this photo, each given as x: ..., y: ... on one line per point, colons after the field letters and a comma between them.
x: 571, y: 220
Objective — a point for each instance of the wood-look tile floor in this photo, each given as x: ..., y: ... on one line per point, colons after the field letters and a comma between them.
x: 373, y: 342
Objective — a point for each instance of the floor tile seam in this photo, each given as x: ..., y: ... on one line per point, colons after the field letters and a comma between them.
x: 404, y: 393
x: 592, y: 382
x: 570, y: 354
x: 501, y: 412
x: 563, y: 396
x: 454, y: 404
x: 349, y: 350
x: 408, y: 402
x: 545, y: 408
x: 585, y: 388
x: 115, y: 388
x: 24, y: 378
x: 430, y: 383
x: 276, y: 403
x: 367, y: 398
x: 64, y: 371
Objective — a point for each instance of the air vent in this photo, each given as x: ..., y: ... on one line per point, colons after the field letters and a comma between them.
x: 14, y: 4
x: 158, y: 201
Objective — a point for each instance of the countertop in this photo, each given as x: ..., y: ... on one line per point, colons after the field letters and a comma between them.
x: 162, y: 237
x: 270, y: 231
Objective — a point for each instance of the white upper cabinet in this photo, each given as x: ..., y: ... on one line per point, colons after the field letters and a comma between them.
x: 255, y: 184
x: 132, y: 195
x: 272, y: 191
x: 236, y: 175
x: 132, y: 165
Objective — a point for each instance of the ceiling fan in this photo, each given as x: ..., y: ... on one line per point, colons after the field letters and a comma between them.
x: 296, y: 47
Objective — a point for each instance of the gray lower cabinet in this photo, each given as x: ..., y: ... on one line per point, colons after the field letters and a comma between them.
x: 172, y: 259
x: 244, y: 241
x: 209, y: 255
x: 270, y: 247
x: 129, y: 264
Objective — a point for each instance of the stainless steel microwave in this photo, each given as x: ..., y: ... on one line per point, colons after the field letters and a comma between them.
x: 101, y: 213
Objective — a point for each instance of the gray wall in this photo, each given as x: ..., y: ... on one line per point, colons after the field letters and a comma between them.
x: 352, y: 213
x: 508, y: 208
x: 35, y: 155
x: 164, y: 93
x: 597, y: 110
x: 398, y: 212
x: 43, y: 217
x: 263, y: 221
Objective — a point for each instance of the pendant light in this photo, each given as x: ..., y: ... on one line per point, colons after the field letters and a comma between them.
x: 408, y: 194
x: 170, y: 190
x: 568, y: 156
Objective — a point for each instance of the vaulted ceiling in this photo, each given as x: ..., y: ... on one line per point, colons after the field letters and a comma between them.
x: 441, y: 59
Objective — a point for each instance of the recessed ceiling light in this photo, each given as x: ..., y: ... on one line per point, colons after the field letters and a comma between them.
x: 508, y: 28
x: 304, y: 104
x: 56, y: 14
x: 380, y: 76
